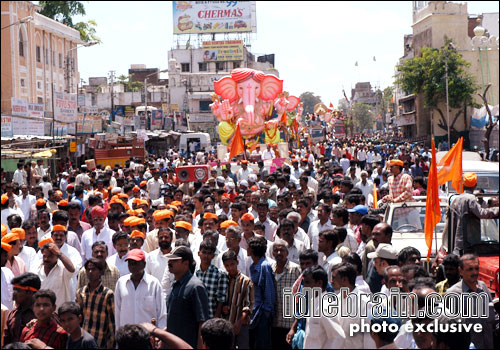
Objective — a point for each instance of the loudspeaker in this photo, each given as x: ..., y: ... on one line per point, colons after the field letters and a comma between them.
x: 191, y: 173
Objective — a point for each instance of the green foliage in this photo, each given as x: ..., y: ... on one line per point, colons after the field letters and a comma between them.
x: 129, y: 85
x: 426, y: 74
x: 64, y: 11
x: 309, y: 100
x: 362, y: 116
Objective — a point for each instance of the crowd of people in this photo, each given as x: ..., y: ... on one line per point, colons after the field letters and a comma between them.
x: 130, y: 257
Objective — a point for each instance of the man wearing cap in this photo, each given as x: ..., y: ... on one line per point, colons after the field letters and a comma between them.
x: 468, y: 215
x: 55, y: 271
x: 385, y: 255
x: 187, y: 305
x: 15, y: 239
x: 163, y: 219
x: 138, y: 295
x: 97, y: 233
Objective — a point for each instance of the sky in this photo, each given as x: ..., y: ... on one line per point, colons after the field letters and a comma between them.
x: 316, y: 44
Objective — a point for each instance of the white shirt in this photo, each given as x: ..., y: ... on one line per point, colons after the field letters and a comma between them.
x: 8, y: 211
x: 46, y: 187
x: 361, y: 285
x: 82, y: 179
x: 120, y: 263
x: 7, y: 288
x: 350, y: 240
x: 268, y: 154
x: 344, y: 163
x: 314, y: 229
x: 301, y: 235
x: 244, y: 262
x: 28, y: 255
x: 361, y: 155
x: 89, y: 237
x: 243, y: 174
x: 18, y: 177
x: 153, y: 187
x: 369, y: 157
x: 26, y: 205
x: 139, y: 305
x: 156, y: 263
x: 331, y: 260
x: 270, y: 226
x: 366, y: 189
x: 58, y: 280
x: 295, y: 250
x: 323, y: 332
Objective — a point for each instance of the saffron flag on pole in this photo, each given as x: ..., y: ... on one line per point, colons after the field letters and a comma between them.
x: 375, y: 197
x: 432, y: 208
x: 237, y: 143
x: 451, y: 169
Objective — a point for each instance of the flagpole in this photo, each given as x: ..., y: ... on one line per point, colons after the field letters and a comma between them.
x: 244, y: 149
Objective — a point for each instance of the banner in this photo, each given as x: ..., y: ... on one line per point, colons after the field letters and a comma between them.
x: 7, y: 126
x: 36, y: 110
x: 227, y: 50
x: 200, y: 17
x: 22, y: 126
x: 156, y: 120
x: 19, y: 107
x: 89, y: 123
x: 65, y: 107
x: 479, y: 117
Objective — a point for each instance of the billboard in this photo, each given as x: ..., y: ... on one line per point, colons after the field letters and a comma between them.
x: 7, y: 126
x: 156, y: 120
x: 23, y: 126
x: 19, y: 107
x: 65, y: 107
x: 227, y: 50
x: 199, y: 17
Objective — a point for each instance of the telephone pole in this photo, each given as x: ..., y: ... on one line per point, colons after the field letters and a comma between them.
x: 112, y: 76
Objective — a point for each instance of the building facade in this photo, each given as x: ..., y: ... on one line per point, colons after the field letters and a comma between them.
x: 38, y: 57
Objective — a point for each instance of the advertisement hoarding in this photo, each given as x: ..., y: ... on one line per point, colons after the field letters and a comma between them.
x: 19, y: 107
x: 6, y: 126
x: 22, y: 126
x: 227, y: 50
x: 65, y: 107
x: 35, y: 110
x: 156, y: 120
x: 199, y: 17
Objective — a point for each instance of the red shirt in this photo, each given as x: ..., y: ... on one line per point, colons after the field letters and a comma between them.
x: 50, y: 333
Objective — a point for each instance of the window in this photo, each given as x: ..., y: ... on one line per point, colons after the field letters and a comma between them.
x: 23, y: 83
x: 40, y: 100
x: 38, y: 54
x: 46, y: 54
x: 236, y: 65
x: 53, y: 58
x: 203, y: 67
x: 219, y: 66
x: 39, y: 85
x: 60, y: 61
x: 205, y: 106
x: 21, y: 44
x: 185, y: 67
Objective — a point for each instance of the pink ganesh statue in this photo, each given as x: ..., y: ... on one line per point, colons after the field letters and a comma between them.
x: 248, y: 97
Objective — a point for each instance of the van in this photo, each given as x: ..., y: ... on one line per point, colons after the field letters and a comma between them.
x: 201, y: 141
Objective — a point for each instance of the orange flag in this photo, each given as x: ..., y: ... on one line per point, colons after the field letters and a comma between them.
x: 284, y: 118
x: 236, y: 146
x: 452, y: 167
x: 432, y: 208
x: 375, y: 197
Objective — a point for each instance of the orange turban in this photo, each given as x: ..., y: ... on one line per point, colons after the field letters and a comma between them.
x: 396, y: 162
x: 63, y: 203
x: 184, y: 224
x: 136, y: 188
x: 10, y: 237
x: 19, y: 231
x: 228, y: 223
x: 162, y: 214
x: 247, y: 217
x: 137, y: 233
x: 208, y: 215
x: 470, y: 179
x: 40, y: 202
x: 143, y: 183
x: 58, y: 228
x: 45, y: 241
x: 98, y: 212
x: 129, y: 221
x: 6, y: 246
x: 4, y: 230
x: 176, y: 203
x: 5, y: 198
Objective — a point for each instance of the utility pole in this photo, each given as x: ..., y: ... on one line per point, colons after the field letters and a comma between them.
x: 112, y: 77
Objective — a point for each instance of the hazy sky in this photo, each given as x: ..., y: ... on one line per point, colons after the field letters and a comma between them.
x: 316, y: 45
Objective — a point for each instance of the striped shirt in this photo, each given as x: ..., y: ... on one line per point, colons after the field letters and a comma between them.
x: 291, y: 272
x: 216, y: 283
x: 50, y: 333
x: 109, y: 279
x: 98, y: 314
x: 239, y: 298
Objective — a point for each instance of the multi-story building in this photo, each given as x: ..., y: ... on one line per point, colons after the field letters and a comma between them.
x: 38, y: 56
x: 432, y: 22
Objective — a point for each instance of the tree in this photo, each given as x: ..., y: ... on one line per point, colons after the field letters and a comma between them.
x: 129, y: 85
x: 64, y: 11
x: 426, y: 74
x: 490, y: 125
x: 362, y: 116
x: 309, y: 100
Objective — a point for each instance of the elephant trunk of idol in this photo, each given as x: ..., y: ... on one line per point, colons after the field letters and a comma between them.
x: 249, y: 103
